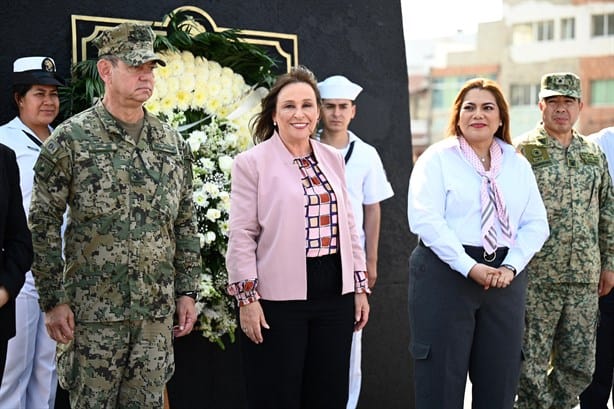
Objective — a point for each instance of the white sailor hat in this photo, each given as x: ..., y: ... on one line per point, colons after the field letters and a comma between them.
x: 35, y: 70
x: 338, y: 87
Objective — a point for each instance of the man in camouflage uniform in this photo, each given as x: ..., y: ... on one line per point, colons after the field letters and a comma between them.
x: 131, y: 250
x: 576, y: 261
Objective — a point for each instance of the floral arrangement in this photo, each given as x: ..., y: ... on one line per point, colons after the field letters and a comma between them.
x: 209, y: 90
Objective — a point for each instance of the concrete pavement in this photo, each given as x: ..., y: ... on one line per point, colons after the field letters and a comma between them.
x: 468, y: 398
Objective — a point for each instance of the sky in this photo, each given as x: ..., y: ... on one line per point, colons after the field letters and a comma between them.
x: 439, y: 18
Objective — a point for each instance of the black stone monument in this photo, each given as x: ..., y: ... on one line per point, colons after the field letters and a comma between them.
x: 361, y: 39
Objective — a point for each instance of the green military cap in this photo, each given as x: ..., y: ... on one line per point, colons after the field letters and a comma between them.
x: 560, y: 83
x: 131, y: 42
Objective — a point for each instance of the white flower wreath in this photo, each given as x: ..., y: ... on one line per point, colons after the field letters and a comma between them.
x: 211, y: 105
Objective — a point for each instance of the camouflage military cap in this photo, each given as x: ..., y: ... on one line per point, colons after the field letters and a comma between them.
x: 560, y: 83
x: 131, y: 42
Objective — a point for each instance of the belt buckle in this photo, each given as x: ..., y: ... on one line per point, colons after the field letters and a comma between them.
x: 489, y: 257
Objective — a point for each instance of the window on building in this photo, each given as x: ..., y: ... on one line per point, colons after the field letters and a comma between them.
x: 524, y: 94
x: 445, y: 89
x: 531, y: 32
x: 522, y: 34
x: 602, y: 92
x: 568, y: 28
x: 602, y: 25
x: 545, y: 30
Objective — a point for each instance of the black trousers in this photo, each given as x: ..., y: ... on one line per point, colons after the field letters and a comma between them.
x: 304, y: 361
x: 458, y: 328
x: 596, y: 395
x: 3, y: 347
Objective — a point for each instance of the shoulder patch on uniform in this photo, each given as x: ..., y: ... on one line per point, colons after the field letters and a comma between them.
x: 537, y: 155
x: 52, y: 146
x: 590, y: 158
x: 43, y: 167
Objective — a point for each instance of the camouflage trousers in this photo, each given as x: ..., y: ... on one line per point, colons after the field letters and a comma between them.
x: 123, y: 364
x: 559, y: 345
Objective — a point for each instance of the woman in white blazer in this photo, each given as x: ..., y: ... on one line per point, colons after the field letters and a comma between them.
x: 474, y: 204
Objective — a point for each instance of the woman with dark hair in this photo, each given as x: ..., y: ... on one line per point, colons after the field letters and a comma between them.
x: 474, y: 204
x: 295, y: 261
x: 30, y: 378
x: 15, y: 247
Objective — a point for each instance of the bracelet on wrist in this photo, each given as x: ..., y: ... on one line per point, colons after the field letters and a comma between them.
x: 510, y: 267
x: 192, y: 294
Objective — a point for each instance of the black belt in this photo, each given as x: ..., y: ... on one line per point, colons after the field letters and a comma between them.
x: 479, y: 254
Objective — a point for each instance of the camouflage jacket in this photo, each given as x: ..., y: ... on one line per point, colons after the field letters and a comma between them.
x: 577, y: 191
x: 131, y: 238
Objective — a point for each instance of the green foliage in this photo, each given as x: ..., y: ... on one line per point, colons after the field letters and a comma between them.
x: 80, y: 92
x: 226, y: 47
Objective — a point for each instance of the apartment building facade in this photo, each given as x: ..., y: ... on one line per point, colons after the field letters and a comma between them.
x: 534, y: 37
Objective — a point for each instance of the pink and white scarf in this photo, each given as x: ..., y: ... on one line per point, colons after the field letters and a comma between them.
x: 490, y: 197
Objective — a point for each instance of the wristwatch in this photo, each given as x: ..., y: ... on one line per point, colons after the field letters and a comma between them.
x: 192, y: 294
x: 510, y: 267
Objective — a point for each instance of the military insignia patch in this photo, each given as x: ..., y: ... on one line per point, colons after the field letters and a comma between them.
x: 44, y: 167
x: 48, y: 65
x: 536, y: 155
x: 52, y: 146
x: 589, y: 158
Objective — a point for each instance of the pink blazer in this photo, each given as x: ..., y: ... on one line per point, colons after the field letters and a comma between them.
x: 267, y: 220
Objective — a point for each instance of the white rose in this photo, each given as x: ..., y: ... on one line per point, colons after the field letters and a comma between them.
x: 225, y: 163
x: 213, y: 214
x: 199, y: 136
x: 231, y: 139
x: 211, y: 189
x: 210, y: 237
x: 194, y: 144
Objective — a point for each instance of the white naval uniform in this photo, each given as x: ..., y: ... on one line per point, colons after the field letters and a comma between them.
x: 30, y: 379
x: 367, y: 184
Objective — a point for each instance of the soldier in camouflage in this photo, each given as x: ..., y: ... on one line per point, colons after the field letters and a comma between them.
x: 131, y: 250
x: 576, y: 263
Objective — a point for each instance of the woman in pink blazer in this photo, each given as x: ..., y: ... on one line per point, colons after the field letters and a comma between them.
x: 295, y: 262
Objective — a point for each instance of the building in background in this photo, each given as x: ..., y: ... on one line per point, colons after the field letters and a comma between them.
x: 534, y: 37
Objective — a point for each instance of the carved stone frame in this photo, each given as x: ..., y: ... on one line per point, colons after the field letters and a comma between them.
x: 85, y: 28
